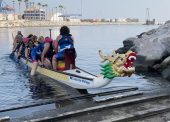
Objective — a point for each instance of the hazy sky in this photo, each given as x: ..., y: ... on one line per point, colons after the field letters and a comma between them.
x: 159, y: 9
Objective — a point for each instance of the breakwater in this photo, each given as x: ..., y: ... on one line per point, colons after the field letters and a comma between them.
x: 28, y: 23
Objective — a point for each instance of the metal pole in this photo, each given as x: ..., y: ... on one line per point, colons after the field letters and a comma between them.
x: 50, y: 32
x: 81, y: 7
x: 14, y: 8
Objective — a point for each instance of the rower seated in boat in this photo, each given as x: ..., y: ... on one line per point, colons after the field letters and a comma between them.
x: 65, y: 50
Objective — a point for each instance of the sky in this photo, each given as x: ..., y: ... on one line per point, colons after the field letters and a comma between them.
x: 158, y: 9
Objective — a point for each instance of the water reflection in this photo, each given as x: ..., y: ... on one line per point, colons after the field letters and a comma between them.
x: 40, y: 89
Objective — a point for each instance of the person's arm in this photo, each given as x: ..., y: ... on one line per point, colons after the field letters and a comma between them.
x: 55, y: 46
x: 20, y: 49
x: 72, y: 39
x: 45, y: 50
x: 57, y: 40
x: 26, y: 52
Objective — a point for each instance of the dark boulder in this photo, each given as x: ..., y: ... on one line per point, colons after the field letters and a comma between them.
x: 127, y: 44
x: 153, y: 50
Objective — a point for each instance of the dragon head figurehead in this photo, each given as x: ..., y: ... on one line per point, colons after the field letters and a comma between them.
x: 118, y: 65
x: 130, y: 59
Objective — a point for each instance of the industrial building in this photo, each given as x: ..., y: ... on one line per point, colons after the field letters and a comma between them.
x: 34, y: 14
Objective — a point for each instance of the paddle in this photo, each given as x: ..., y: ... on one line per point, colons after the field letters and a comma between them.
x: 12, y: 54
x: 26, y: 65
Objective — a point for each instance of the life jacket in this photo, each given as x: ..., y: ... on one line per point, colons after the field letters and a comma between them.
x: 19, y: 39
x: 30, y: 44
x: 51, y: 51
x: 66, y: 42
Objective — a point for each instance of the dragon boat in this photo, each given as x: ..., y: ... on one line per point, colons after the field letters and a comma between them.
x: 115, y: 65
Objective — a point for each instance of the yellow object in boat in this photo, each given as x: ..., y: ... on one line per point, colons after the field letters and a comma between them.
x: 61, y: 65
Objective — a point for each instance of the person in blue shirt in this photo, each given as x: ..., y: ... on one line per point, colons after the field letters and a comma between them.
x: 36, y: 52
x: 64, y: 41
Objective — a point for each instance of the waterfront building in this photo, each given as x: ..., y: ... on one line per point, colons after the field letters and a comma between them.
x: 56, y: 17
x: 8, y: 17
x: 71, y: 17
x: 132, y: 20
x: 74, y: 20
x: 34, y: 14
x: 121, y: 20
x: 3, y: 17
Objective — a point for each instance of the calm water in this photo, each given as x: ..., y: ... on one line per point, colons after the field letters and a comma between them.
x: 15, y: 86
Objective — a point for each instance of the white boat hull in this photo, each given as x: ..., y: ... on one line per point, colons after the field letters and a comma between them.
x: 76, y: 78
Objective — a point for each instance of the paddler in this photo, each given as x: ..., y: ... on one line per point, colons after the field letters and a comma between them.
x: 36, y: 52
x: 42, y: 53
x: 17, y: 44
x: 48, y: 52
x: 64, y: 41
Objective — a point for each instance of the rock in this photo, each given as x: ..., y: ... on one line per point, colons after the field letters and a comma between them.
x: 127, y: 44
x: 166, y: 73
x: 151, y: 32
x: 140, y: 35
x: 153, y: 50
x: 140, y: 64
x: 167, y: 22
x: 165, y: 63
x: 166, y: 42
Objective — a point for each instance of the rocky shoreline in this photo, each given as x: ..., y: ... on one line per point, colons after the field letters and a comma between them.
x: 153, y: 50
x: 27, y: 23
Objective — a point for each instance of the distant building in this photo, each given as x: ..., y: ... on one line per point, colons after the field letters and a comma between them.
x: 74, y: 20
x: 132, y: 20
x: 56, y: 17
x: 3, y: 17
x: 70, y: 17
x: 8, y: 17
x: 34, y: 14
x: 150, y: 22
x: 121, y: 20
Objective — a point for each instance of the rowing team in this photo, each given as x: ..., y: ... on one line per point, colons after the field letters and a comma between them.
x: 43, y: 51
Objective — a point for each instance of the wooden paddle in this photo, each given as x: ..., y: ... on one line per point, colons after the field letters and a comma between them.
x: 12, y: 54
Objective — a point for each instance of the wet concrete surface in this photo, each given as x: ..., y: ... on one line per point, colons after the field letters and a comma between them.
x: 164, y: 117
x: 160, y: 86
x: 112, y: 114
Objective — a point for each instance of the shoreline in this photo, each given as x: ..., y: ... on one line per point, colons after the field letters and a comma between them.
x: 26, y: 23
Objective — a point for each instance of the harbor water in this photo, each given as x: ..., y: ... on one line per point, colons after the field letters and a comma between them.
x: 17, y: 88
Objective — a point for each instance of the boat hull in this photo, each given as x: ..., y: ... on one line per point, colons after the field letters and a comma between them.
x: 76, y: 78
